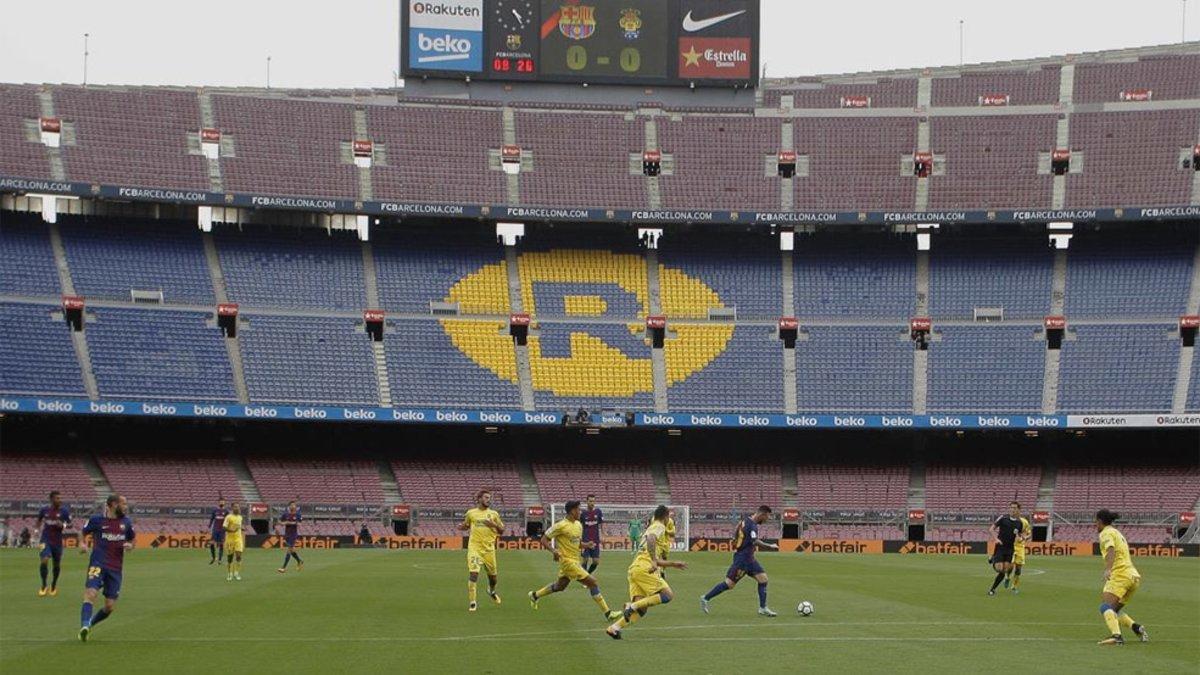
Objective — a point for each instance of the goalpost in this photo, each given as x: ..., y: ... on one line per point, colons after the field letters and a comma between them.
x: 617, y: 517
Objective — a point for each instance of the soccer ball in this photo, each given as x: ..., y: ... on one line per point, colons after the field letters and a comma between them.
x: 805, y: 608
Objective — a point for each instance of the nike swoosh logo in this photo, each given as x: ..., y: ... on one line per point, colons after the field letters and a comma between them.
x: 691, y: 25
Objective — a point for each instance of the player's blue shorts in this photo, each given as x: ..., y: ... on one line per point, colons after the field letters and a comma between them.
x: 593, y: 553
x: 218, y: 537
x: 50, y: 551
x: 290, y: 540
x: 744, y: 568
x: 109, y: 581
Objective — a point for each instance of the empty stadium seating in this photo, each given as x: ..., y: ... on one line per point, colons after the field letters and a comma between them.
x: 1022, y: 87
x: 300, y: 268
x: 870, y: 276
x: 194, y: 480
x: 20, y: 154
x: 1010, y: 273
x: 1134, y: 534
x: 131, y: 136
x: 719, y: 162
x: 878, y: 488
x: 1129, y: 490
x: 614, y: 482
x: 1118, y: 368
x: 109, y: 259
x: 1132, y: 158
x: 985, y: 490
x: 831, y: 531
x: 36, y: 355
x: 320, y: 481
x: 1122, y: 274
x: 592, y: 366
x: 1168, y: 77
x: 430, y: 363
x: 307, y: 359
x: 842, y: 369
x: 745, y: 277
x: 159, y: 354
x: 742, y: 487
x: 416, y: 268
x: 452, y: 483
x: 991, y: 162
x: 746, y: 373
x: 576, y: 150
x: 31, y: 476
x: 27, y: 259
x: 987, y: 369
x: 286, y: 147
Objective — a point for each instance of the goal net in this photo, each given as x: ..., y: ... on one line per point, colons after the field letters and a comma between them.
x: 618, y: 516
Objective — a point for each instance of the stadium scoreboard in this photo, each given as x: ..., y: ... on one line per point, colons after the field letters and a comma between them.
x: 643, y: 42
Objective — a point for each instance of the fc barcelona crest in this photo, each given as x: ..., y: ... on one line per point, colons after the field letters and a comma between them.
x: 513, y: 42
x: 631, y: 23
x: 577, y: 22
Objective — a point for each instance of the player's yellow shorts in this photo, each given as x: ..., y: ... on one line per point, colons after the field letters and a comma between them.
x: 1123, y: 586
x: 571, y: 569
x: 235, y: 545
x: 481, y: 559
x: 1019, y: 556
x: 643, y: 583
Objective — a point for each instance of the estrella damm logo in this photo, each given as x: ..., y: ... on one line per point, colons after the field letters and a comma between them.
x: 588, y: 356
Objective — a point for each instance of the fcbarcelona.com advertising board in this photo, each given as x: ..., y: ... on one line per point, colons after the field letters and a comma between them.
x: 445, y: 35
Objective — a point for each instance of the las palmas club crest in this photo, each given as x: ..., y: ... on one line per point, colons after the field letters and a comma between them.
x: 577, y: 22
x: 631, y: 23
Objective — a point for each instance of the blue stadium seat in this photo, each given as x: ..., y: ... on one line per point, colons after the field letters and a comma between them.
x: 1119, y: 368
x: 108, y: 259
x: 982, y: 369
x: 1012, y: 272
x: 36, y: 355
x: 299, y: 269
x: 425, y: 367
x: 26, y: 259
x: 854, y: 369
x: 746, y: 377
x: 862, y: 276
x: 159, y: 354
x: 307, y: 359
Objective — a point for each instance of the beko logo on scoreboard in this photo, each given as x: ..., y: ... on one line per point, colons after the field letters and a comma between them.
x: 446, y: 35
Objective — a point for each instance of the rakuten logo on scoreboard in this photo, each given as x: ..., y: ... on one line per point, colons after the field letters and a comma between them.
x: 445, y: 35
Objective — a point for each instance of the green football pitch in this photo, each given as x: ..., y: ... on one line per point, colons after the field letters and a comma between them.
x: 405, y: 611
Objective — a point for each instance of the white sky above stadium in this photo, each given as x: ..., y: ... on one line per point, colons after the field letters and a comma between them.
x: 354, y: 43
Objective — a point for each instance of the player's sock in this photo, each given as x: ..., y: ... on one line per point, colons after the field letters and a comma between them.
x: 42, y: 570
x: 287, y: 557
x: 999, y: 578
x: 591, y: 567
x: 85, y: 615
x: 762, y: 595
x: 296, y: 557
x: 100, y: 616
x: 1127, y: 621
x: 54, y: 579
x: 543, y: 591
x: 595, y: 591
x: 716, y: 590
x: 649, y: 601
x: 212, y: 554
x: 1110, y: 619
x: 471, y: 592
x: 1017, y: 577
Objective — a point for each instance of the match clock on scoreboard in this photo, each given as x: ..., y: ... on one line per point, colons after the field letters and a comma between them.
x: 513, y: 39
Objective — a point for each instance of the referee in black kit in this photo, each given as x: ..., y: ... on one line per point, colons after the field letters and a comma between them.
x: 1004, y: 532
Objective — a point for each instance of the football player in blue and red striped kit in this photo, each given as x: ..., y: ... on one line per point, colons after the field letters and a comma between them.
x: 745, y: 544
x: 52, y: 520
x: 593, y: 520
x: 110, y: 533
x: 216, y: 531
x: 291, y: 531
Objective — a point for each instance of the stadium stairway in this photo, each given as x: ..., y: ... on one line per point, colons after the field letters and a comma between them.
x: 516, y: 304
x: 916, y: 486
x: 1058, y: 300
x: 58, y: 170
x: 208, y: 120
x: 658, y: 361
x: 1045, y: 500
x: 529, y: 486
x: 99, y: 480
x: 1187, y: 355
x: 662, y: 484
x: 366, y: 188
x: 78, y: 340
x: 378, y: 353
x: 788, y: 309
x: 921, y: 356
x: 217, y: 277
x: 387, y: 481
x: 789, y: 481
x: 245, y: 479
